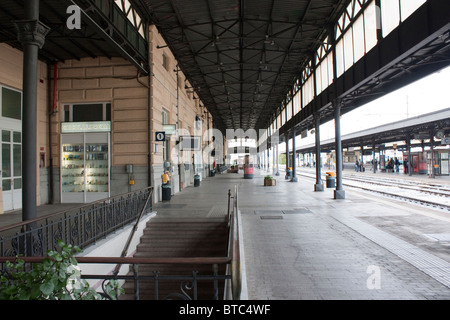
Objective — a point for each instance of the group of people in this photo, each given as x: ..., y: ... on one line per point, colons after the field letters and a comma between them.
x: 393, y: 163
x: 359, y: 166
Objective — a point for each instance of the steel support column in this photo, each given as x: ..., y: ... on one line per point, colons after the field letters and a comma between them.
x: 408, y: 147
x: 373, y: 158
x: 339, y: 193
x: 362, y: 158
x: 278, y: 160
x: 287, y: 155
x: 31, y: 33
x: 319, y: 184
x: 432, y: 175
x: 294, y: 164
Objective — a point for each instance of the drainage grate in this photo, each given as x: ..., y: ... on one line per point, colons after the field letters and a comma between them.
x: 271, y: 217
x: 171, y: 205
x: 297, y: 211
x: 268, y: 212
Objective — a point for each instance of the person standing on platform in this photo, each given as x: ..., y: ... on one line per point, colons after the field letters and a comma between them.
x: 397, y: 165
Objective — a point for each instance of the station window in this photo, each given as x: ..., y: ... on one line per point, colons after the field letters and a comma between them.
x: 165, y: 62
x: 164, y: 117
x: 395, y: 11
x: 408, y: 7
x: 390, y: 15
x: 11, y: 103
x: 86, y: 112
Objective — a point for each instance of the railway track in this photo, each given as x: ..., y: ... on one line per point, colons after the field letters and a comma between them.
x: 425, y: 194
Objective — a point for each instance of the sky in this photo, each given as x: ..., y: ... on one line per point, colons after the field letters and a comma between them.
x: 423, y: 96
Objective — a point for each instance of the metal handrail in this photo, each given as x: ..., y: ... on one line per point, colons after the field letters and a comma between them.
x: 233, y: 276
x: 58, y: 213
x: 129, y: 260
x: 234, y: 248
x: 132, y: 233
x: 187, y: 282
x: 80, y: 226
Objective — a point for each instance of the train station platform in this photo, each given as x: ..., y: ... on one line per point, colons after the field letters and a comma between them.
x: 304, y: 245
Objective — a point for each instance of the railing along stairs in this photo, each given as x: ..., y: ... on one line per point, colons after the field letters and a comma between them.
x: 186, y: 284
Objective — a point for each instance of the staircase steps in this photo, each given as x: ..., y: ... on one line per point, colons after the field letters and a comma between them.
x: 179, y: 238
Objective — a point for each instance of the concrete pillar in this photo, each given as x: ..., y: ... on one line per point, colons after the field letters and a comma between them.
x: 319, y: 184
x: 31, y: 34
x: 339, y: 193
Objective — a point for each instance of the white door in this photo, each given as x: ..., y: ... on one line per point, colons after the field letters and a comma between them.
x: 11, y: 169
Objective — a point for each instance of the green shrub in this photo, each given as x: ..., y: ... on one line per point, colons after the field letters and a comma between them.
x: 57, y: 277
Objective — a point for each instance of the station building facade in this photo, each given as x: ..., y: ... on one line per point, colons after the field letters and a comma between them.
x: 98, y: 125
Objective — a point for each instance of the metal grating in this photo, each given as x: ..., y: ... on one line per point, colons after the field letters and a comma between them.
x: 271, y: 217
x: 297, y: 211
x: 268, y: 212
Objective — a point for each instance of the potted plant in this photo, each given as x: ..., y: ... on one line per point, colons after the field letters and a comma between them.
x: 269, y: 181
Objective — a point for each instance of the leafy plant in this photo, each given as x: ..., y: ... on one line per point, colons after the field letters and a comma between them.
x: 268, y: 178
x: 57, y: 277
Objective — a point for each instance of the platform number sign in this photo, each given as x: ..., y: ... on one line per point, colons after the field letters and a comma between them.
x: 160, y: 136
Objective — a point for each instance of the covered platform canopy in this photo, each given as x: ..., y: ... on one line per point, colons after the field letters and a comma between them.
x: 105, y: 31
x: 423, y: 127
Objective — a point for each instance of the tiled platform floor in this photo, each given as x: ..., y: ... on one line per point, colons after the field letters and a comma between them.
x: 304, y: 245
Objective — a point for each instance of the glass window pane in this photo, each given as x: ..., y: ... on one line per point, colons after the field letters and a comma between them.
x: 17, y: 184
x: 330, y: 69
x: 17, y: 137
x: 87, y: 112
x: 108, y: 112
x: 348, y: 49
x: 11, y: 104
x: 370, y: 26
x: 17, y: 155
x: 66, y: 113
x: 390, y: 15
x: 409, y: 6
x: 325, y: 73
x: 6, y: 136
x: 319, y: 78
x: 6, y: 160
x: 340, y: 58
x: 358, y: 38
x: 6, y: 185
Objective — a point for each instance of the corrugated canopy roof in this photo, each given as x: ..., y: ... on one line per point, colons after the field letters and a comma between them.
x: 242, y: 56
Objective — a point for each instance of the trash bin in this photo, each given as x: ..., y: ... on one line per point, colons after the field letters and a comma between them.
x: 248, y: 171
x: 212, y: 173
x: 331, y: 180
x: 288, y: 173
x: 166, y: 191
x: 197, y: 180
